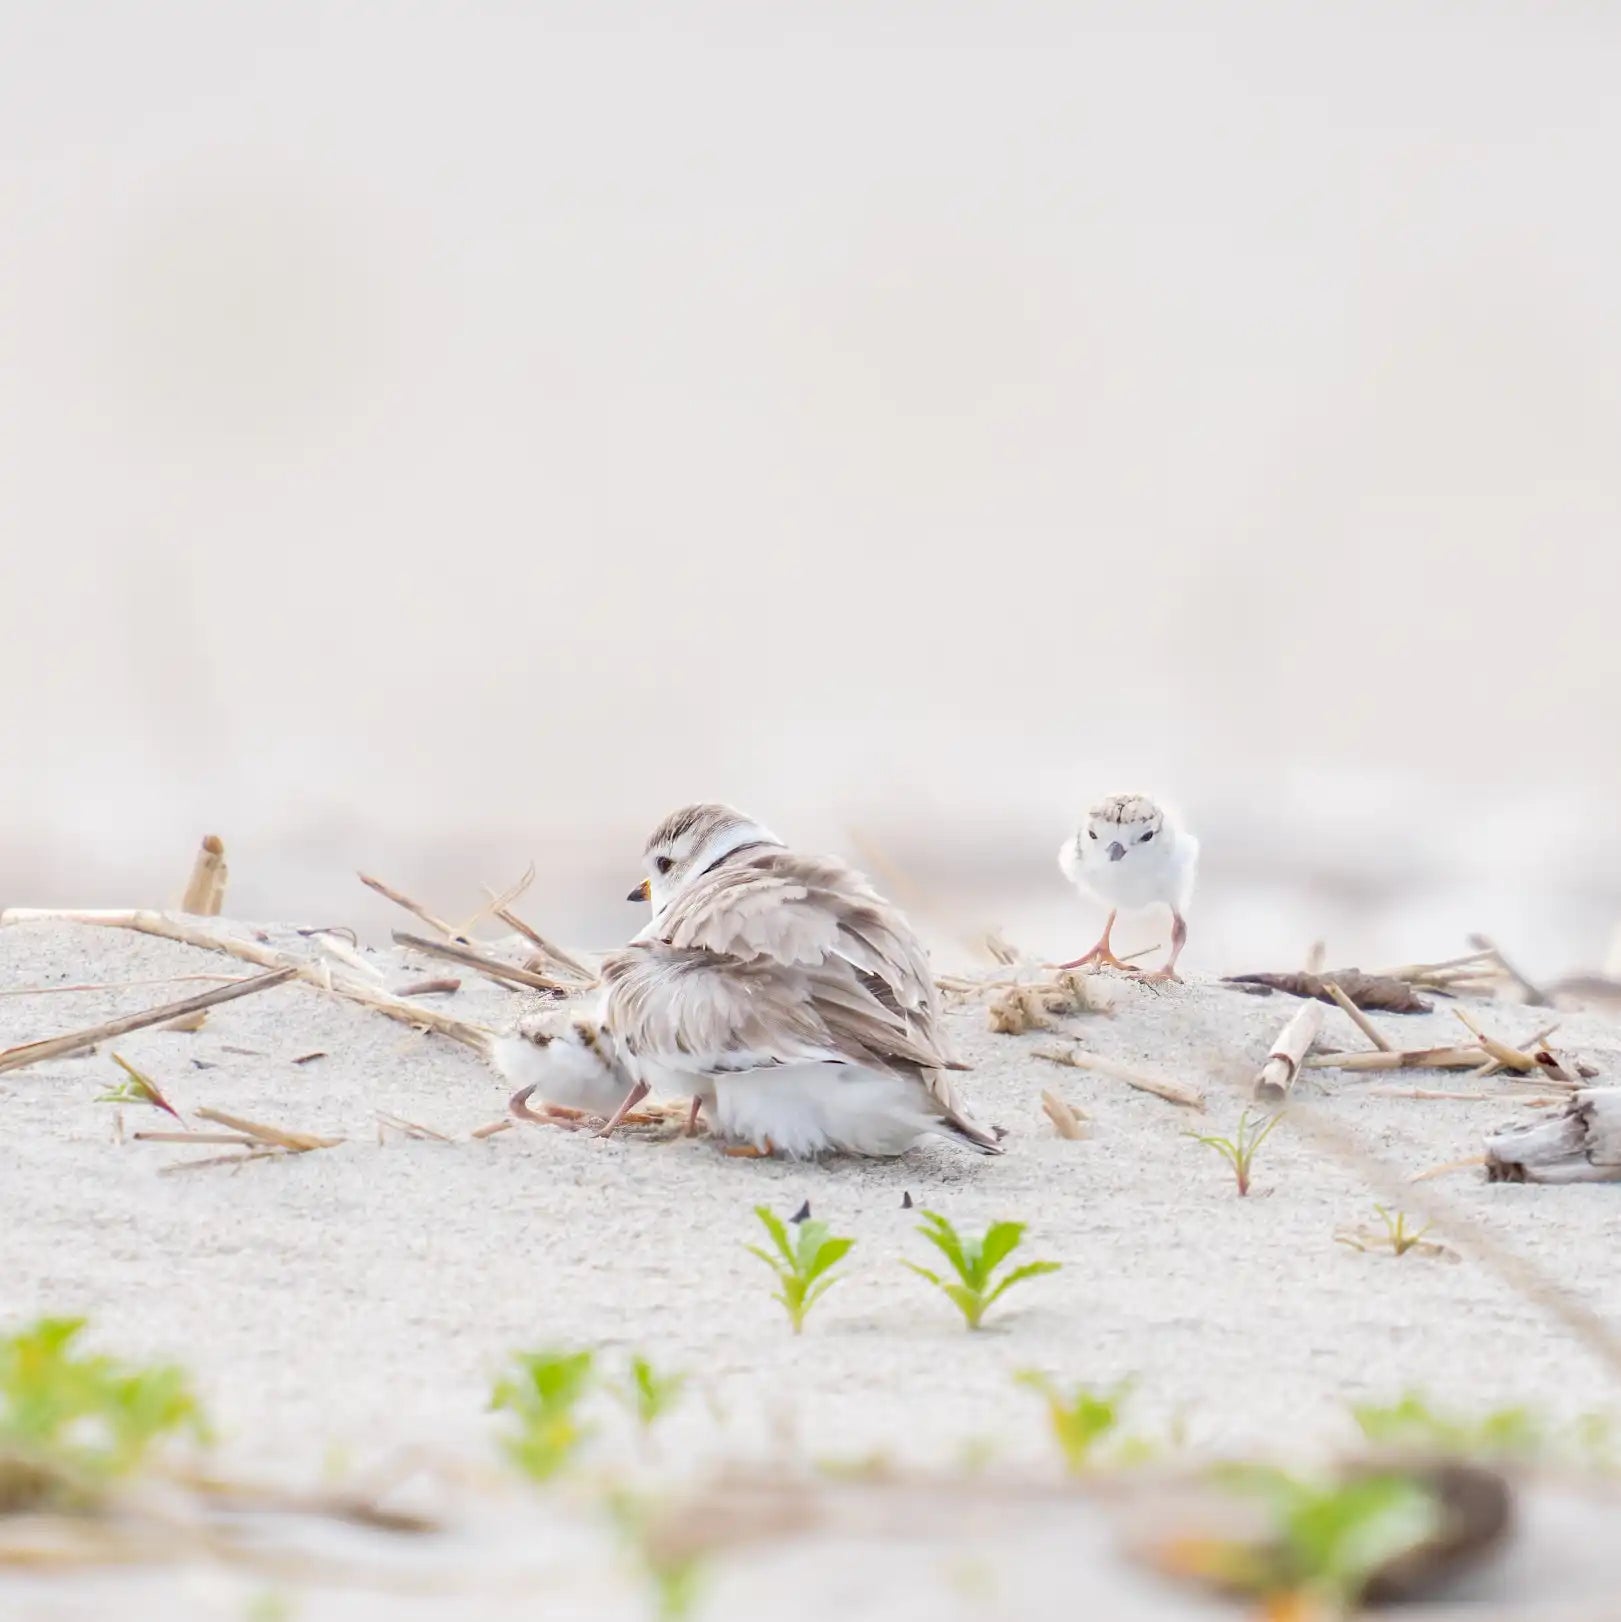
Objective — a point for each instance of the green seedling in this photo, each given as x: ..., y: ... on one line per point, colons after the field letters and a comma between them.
x: 974, y: 1261
x: 675, y: 1572
x: 803, y: 1264
x: 1326, y: 1540
x: 1081, y: 1418
x: 84, y: 1420
x: 1397, y: 1237
x: 1239, y: 1151
x: 1502, y: 1433
x: 649, y: 1395
x: 542, y: 1392
x: 136, y: 1088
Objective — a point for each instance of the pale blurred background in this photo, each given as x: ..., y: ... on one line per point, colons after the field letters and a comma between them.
x: 439, y: 436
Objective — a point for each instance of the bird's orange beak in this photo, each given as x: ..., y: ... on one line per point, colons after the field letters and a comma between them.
x: 642, y: 892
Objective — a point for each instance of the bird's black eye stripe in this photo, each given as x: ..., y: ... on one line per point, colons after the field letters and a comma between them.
x: 1146, y: 837
x: 664, y: 864
x: 1092, y: 833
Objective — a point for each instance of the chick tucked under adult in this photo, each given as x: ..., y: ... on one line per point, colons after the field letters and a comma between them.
x: 789, y: 999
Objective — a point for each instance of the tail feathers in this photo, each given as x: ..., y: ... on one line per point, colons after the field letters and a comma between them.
x: 983, y: 1140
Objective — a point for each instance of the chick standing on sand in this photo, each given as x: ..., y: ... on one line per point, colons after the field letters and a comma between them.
x: 1130, y: 853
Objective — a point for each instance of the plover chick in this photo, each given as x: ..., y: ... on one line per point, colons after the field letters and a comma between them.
x: 1129, y: 853
x: 789, y: 998
x: 568, y: 1059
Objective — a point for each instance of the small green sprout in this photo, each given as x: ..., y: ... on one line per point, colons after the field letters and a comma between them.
x: 1397, y: 1237
x: 87, y: 1418
x: 1239, y: 1151
x: 675, y: 1572
x: 136, y: 1088
x: 1081, y: 1418
x: 543, y: 1391
x: 1328, y: 1538
x: 1411, y: 1423
x: 802, y: 1265
x: 974, y: 1261
x: 649, y: 1395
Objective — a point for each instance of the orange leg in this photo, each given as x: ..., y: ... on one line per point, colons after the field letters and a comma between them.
x: 548, y: 1115
x: 1101, y: 953
x: 691, y: 1130
x: 1179, y: 939
x: 626, y: 1105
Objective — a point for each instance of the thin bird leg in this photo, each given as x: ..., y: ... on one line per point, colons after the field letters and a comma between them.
x: 626, y: 1105
x: 691, y: 1129
x: 555, y: 1114
x: 1179, y: 939
x: 1101, y: 953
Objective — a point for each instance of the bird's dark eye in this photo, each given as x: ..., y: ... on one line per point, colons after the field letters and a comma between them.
x: 1146, y: 837
x: 664, y: 864
x: 1092, y: 833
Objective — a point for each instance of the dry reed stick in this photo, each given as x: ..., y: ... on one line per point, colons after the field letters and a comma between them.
x: 492, y: 967
x: 123, y: 985
x: 1276, y: 1076
x: 1400, y: 1059
x: 415, y: 908
x: 476, y: 1037
x: 57, y: 1047
x: 430, y: 988
x: 273, y: 1136
x: 1067, y: 1122
x: 205, y: 890
x: 1173, y: 1092
x: 1357, y: 1017
x: 548, y: 949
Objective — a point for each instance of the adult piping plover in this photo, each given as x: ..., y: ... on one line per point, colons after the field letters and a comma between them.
x: 568, y: 1059
x: 1130, y: 853
x: 790, y: 999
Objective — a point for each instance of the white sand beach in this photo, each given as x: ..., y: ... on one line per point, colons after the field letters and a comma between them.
x: 354, y: 1303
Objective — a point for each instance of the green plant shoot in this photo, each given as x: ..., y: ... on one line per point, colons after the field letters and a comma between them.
x: 975, y: 1261
x: 91, y: 1416
x: 1329, y: 1538
x: 803, y: 1265
x: 649, y: 1395
x: 542, y: 1392
x: 1239, y: 1151
x: 1078, y: 1419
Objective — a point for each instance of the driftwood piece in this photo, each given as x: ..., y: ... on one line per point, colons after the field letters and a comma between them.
x: 1173, y: 1092
x: 1580, y: 1145
x: 1378, y: 993
x: 320, y: 975
x: 205, y: 890
x: 1277, y: 1076
x: 57, y: 1047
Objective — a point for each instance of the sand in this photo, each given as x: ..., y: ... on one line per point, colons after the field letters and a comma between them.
x: 355, y: 1302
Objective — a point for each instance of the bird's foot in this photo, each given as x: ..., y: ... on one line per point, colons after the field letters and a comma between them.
x: 1102, y: 957
x: 749, y: 1151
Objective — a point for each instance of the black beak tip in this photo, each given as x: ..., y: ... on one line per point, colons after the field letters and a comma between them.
x: 636, y: 895
x: 1116, y: 851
